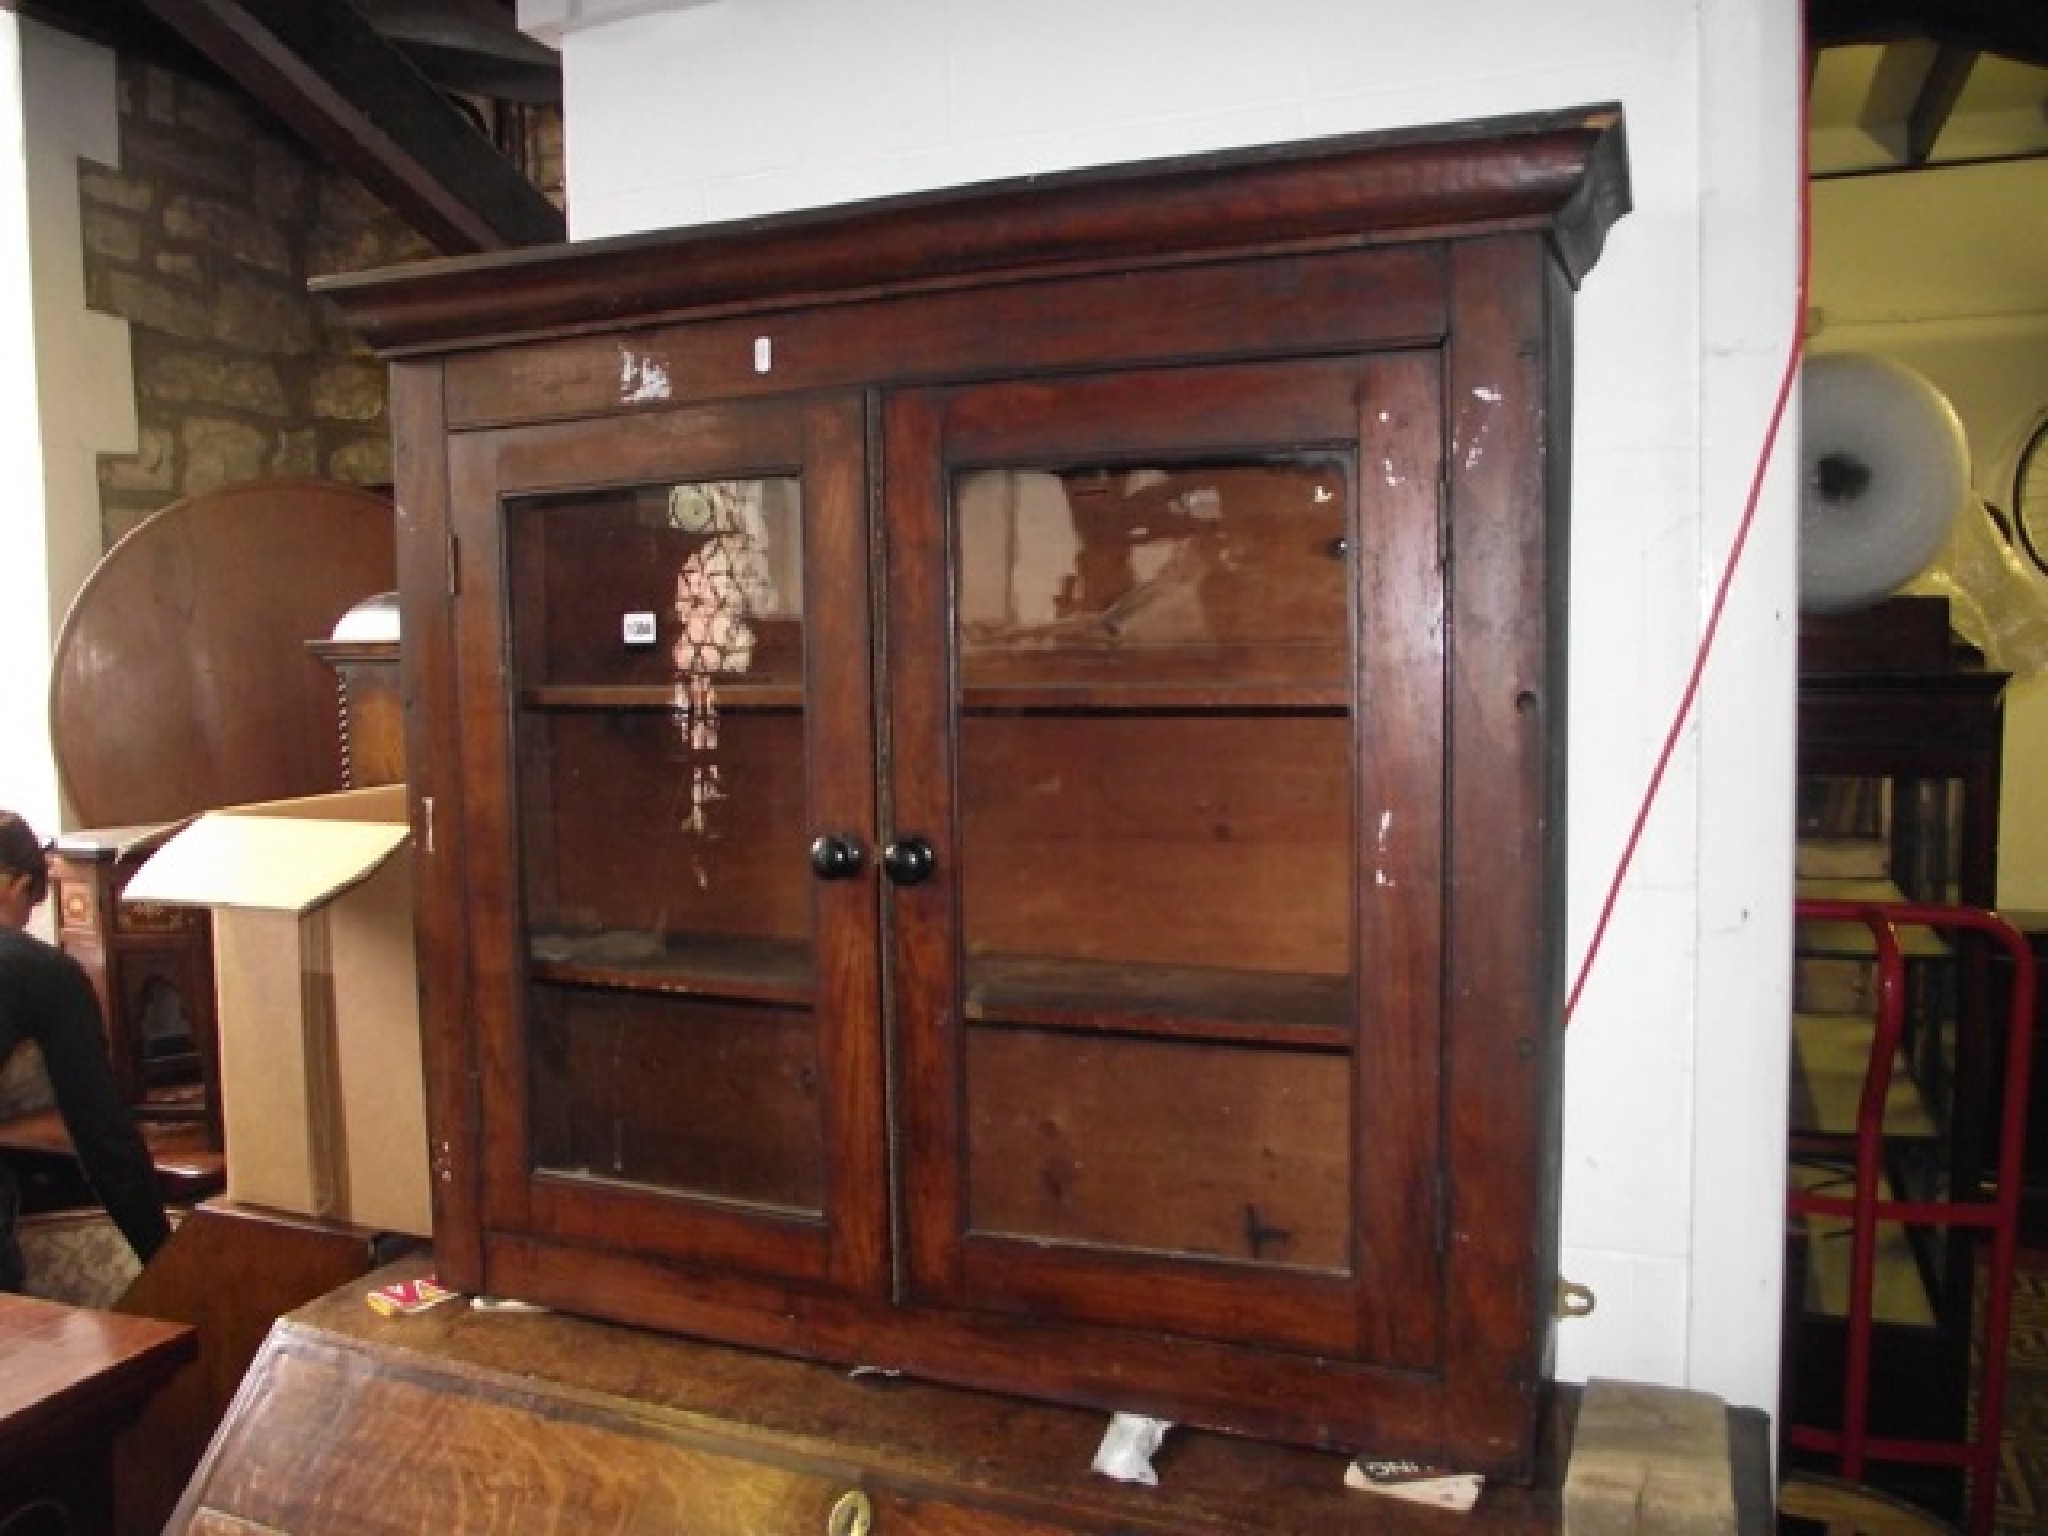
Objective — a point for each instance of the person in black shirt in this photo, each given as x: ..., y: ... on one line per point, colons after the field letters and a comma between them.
x: 46, y: 997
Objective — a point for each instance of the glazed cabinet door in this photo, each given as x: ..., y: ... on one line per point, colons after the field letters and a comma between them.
x: 1164, y: 850
x: 673, y: 950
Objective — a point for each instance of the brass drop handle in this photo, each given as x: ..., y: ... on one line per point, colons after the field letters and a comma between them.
x: 852, y: 1515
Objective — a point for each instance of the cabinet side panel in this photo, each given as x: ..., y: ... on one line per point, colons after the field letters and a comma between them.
x: 918, y: 801
x: 1557, y: 435
x: 1503, y: 1016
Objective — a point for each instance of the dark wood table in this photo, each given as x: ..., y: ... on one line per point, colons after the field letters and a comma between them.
x: 69, y: 1380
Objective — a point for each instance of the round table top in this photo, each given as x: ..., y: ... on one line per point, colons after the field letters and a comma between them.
x: 182, y: 681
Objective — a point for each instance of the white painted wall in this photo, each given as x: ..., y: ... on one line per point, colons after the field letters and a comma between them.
x: 66, y: 391
x: 27, y: 780
x: 694, y: 112
x: 1947, y: 271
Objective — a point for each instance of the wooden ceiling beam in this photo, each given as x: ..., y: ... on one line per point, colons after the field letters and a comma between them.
x: 356, y: 98
x: 1912, y: 95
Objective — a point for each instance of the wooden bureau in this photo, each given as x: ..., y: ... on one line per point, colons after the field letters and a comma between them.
x: 455, y: 1420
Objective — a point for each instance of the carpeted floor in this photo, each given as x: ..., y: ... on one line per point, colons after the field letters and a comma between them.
x: 76, y: 1256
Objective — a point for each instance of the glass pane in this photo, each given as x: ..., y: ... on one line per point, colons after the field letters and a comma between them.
x: 720, y: 1099
x: 657, y: 645
x: 1201, y: 576
x: 1215, y: 839
x: 1157, y: 847
x: 1156, y: 733
x: 1194, y: 1149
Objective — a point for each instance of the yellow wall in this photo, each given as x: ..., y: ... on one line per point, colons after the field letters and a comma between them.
x: 1947, y: 271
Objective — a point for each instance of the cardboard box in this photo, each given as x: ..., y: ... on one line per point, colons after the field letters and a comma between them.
x: 322, y: 1095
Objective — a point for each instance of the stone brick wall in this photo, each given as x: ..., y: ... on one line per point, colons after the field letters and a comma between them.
x: 203, y: 240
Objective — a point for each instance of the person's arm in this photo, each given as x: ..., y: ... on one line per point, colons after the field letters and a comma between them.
x: 46, y: 997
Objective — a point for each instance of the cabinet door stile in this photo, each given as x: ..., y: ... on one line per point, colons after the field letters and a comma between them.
x: 920, y: 923
x: 840, y: 754
x: 488, y: 838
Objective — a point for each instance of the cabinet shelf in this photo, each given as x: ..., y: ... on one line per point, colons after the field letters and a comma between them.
x: 1852, y: 941
x: 1021, y: 698
x: 1156, y: 677
x: 1158, y: 699
x: 1830, y: 1057
x: 662, y: 697
x: 1253, y: 1007
x: 759, y: 970
x: 1186, y: 1002
x: 1901, y: 1298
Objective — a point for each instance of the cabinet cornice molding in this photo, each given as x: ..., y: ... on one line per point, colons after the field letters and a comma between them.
x: 1562, y: 173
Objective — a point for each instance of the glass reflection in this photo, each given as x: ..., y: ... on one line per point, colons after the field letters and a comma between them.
x: 1188, y: 559
x: 724, y: 585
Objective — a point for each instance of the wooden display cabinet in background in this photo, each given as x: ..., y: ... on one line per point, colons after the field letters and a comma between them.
x: 152, y: 968
x: 362, y: 653
x: 1900, y: 748
x: 988, y: 777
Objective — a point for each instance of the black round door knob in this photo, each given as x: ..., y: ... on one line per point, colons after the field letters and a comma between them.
x: 909, y: 861
x: 836, y: 858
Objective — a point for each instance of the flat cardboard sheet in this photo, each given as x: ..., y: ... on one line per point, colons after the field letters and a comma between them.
x: 278, y: 856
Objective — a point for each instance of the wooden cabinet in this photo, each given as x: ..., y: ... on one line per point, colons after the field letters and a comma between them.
x: 152, y: 969
x: 988, y: 772
x: 362, y: 653
x: 1898, y: 802
x: 371, y: 736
